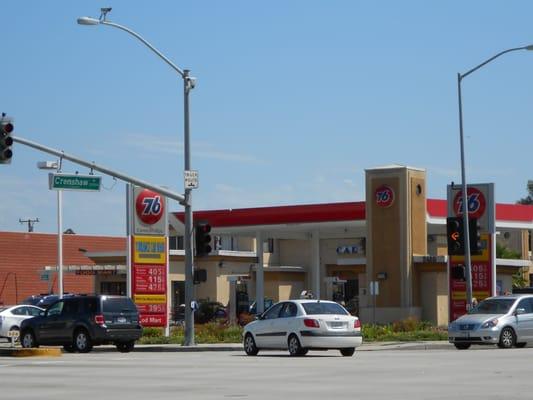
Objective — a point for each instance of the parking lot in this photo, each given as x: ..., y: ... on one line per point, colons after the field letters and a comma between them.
x: 482, y: 373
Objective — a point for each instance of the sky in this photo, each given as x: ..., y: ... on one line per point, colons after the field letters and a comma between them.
x: 294, y: 100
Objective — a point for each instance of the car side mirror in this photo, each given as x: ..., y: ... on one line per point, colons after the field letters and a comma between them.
x: 519, y: 311
x: 42, y: 313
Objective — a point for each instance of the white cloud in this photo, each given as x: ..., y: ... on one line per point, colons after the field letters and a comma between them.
x: 158, y: 145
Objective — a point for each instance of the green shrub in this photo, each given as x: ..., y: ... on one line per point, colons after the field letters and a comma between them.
x: 152, y: 332
x: 212, y: 332
x: 409, y: 329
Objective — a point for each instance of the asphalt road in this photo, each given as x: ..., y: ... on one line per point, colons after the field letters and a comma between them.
x: 484, y: 373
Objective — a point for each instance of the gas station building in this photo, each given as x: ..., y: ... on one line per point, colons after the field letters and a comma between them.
x: 384, y: 258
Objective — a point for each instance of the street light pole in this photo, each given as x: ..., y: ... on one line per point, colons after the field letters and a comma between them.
x: 188, y: 84
x: 56, y: 165
x: 464, y: 190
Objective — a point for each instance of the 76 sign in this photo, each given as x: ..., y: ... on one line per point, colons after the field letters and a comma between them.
x: 384, y: 196
x: 149, y: 206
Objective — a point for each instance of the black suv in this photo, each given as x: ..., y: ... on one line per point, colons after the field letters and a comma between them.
x: 79, y: 322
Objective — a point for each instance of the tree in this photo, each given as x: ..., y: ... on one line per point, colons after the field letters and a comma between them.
x: 529, y: 198
x: 519, y: 281
x: 504, y: 252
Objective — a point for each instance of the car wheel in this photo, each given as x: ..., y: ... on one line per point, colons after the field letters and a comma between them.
x: 521, y: 345
x: 507, y: 338
x: 125, y: 347
x: 295, y: 348
x: 27, y: 340
x: 348, y: 352
x: 69, y: 348
x: 249, y: 345
x: 462, y: 346
x: 82, y: 341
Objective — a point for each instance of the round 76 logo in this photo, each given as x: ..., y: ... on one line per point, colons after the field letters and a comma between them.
x: 384, y: 196
x: 149, y: 206
x: 476, y: 203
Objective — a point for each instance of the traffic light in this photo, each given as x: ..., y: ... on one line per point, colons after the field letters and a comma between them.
x: 455, y: 234
x: 458, y: 272
x: 203, y: 238
x: 475, y: 236
x: 6, y: 141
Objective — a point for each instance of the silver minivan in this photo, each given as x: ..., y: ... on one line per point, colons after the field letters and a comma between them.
x: 503, y: 320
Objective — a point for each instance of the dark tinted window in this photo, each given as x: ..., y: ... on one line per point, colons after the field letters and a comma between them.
x: 90, y: 305
x: 55, y: 309
x: 527, y: 305
x: 18, y: 311
x: 289, y: 310
x: 323, y: 308
x: 71, y: 307
x: 117, y: 304
x: 32, y: 311
x: 493, y: 306
x: 273, y: 312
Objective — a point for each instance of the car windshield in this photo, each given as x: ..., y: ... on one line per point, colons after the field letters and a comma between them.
x: 323, y: 308
x: 493, y: 306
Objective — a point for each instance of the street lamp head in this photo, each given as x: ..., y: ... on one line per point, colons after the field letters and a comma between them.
x: 47, y: 165
x: 530, y: 47
x: 88, y: 21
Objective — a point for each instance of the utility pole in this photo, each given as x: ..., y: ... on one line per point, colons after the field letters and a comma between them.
x: 30, y: 223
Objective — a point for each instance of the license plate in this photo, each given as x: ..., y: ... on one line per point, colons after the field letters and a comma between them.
x: 122, y: 320
x: 337, y: 324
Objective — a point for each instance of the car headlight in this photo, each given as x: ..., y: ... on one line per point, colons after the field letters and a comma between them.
x: 490, y: 324
x: 452, y: 326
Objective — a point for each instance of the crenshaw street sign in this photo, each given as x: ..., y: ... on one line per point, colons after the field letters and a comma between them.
x: 74, y: 182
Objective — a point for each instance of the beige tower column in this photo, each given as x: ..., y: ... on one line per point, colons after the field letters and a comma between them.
x: 396, y: 230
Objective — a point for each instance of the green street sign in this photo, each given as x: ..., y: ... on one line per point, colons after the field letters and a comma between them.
x: 74, y: 182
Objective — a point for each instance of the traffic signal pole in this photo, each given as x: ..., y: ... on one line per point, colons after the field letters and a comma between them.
x: 93, y: 166
x: 466, y: 230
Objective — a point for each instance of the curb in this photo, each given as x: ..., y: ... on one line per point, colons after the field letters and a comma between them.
x: 38, y: 352
x: 377, y: 346
x: 176, y: 348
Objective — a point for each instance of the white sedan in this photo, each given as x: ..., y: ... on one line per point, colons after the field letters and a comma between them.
x: 302, y: 325
x: 12, y: 317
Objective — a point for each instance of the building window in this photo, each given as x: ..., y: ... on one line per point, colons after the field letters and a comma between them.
x: 268, y: 246
x: 113, y: 288
x: 175, y: 243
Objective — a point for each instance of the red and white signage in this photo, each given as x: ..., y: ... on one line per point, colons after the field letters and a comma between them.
x: 477, y: 204
x: 384, y: 196
x: 150, y: 279
x: 481, y: 204
x: 482, y: 281
x: 150, y: 213
x: 148, y: 259
x: 153, y: 319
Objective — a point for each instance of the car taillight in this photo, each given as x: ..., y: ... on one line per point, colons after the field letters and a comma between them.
x: 311, y: 323
x: 357, y: 324
x: 99, y: 319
